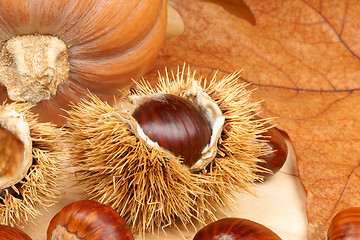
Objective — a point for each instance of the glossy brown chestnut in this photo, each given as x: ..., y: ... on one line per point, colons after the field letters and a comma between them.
x: 10, y: 233
x: 235, y: 229
x: 90, y: 220
x: 277, y: 154
x: 176, y: 124
x: 345, y: 225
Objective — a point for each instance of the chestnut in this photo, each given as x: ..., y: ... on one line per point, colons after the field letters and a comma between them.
x: 176, y: 124
x: 88, y: 219
x: 11, y: 233
x: 276, y: 156
x: 345, y: 225
x: 235, y: 229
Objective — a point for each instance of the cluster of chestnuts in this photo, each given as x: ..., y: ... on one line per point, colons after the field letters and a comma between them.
x: 52, y: 53
x: 174, y: 152
x: 180, y: 149
x: 159, y: 119
x: 87, y: 219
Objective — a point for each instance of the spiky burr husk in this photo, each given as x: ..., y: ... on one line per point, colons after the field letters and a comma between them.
x: 22, y: 202
x: 149, y: 189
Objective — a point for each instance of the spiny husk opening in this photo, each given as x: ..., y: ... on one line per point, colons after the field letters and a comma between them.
x: 151, y: 190
x: 21, y: 202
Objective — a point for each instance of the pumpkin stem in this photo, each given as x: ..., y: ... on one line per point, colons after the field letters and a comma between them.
x: 32, y: 67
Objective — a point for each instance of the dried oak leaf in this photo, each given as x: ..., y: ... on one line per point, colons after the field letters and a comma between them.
x: 303, y: 58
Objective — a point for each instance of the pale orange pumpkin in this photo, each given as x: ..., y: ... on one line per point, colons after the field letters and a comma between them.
x: 103, y: 45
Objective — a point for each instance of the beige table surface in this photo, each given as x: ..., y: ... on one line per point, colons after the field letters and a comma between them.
x: 279, y: 205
